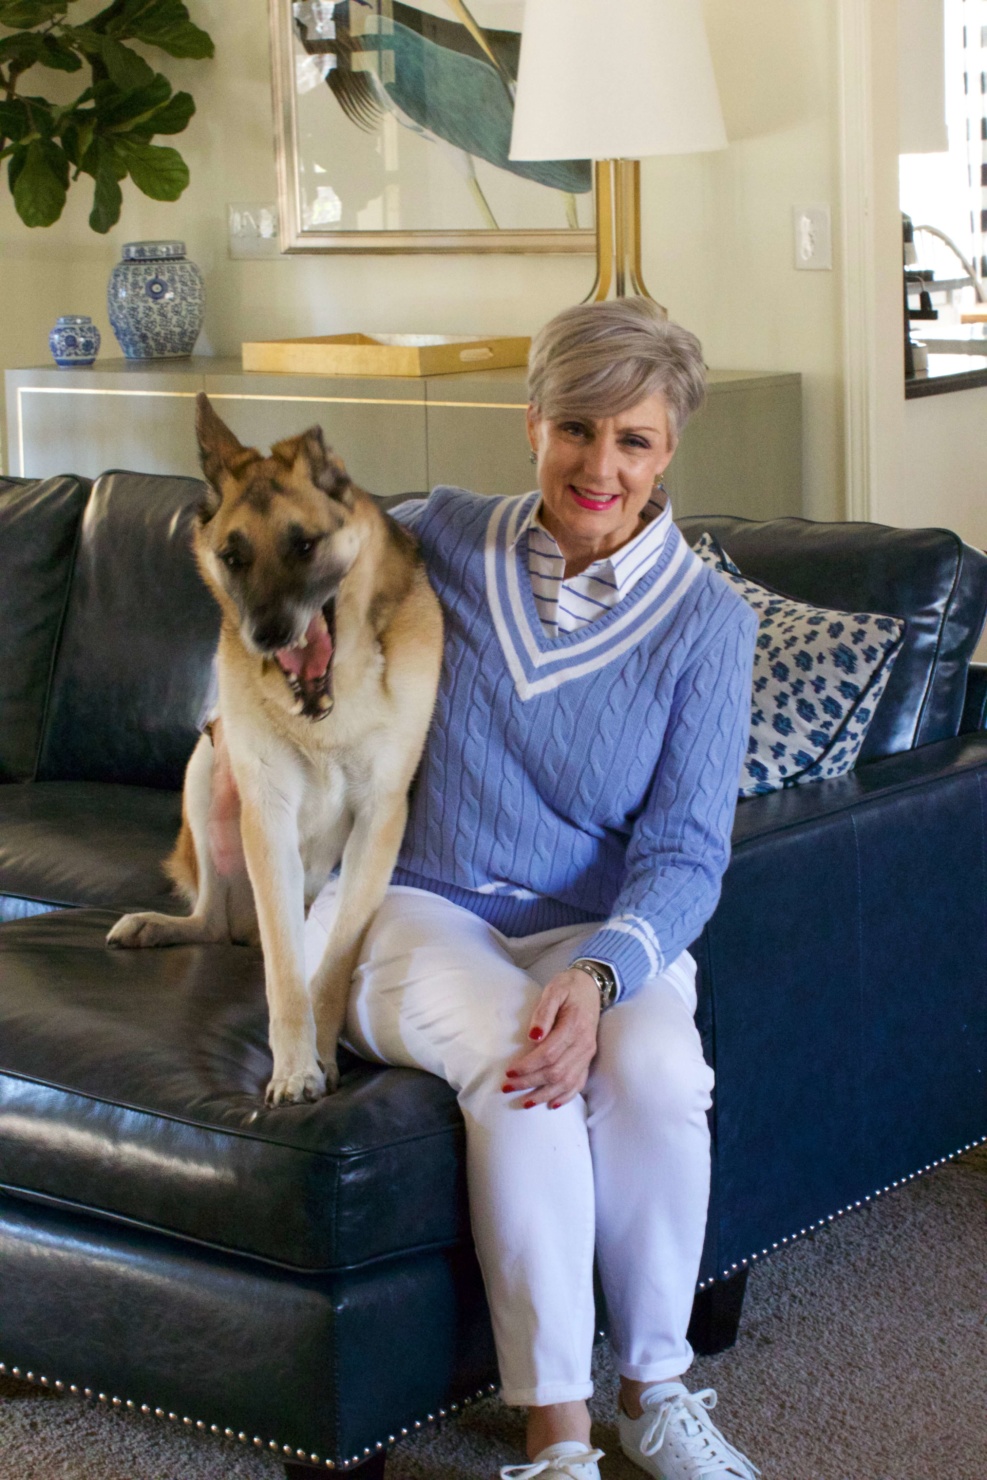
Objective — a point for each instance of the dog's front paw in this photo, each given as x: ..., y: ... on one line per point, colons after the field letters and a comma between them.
x: 135, y: 930
x: 294, y: 1084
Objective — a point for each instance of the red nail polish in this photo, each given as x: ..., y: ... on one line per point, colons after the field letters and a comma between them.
x: 555, y: 1105
x: 529, y: 1104
x: 512, y: 1073
x: 507, y: 1089
x: 536, y: 1033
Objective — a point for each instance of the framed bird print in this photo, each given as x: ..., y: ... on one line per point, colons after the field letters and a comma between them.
x: 393, y: 125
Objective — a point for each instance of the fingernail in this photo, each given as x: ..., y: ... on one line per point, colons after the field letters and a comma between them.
x: 507, y: 1089
x: 536, y: 1033
x: 529, y: 1104
x: 512, y: 1073
x: 555, y: 1105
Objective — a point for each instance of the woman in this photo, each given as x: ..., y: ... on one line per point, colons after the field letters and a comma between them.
x: 568, y: 832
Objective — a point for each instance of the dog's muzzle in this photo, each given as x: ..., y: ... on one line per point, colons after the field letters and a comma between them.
x: 308, y: 665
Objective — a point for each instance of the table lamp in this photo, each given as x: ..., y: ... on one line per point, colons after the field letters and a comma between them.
x: 612, y: 81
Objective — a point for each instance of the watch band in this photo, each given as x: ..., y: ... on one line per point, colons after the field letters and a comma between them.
x: 603, y: 976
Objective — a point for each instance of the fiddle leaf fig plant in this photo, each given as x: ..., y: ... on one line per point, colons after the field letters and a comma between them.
x: 106, y: 131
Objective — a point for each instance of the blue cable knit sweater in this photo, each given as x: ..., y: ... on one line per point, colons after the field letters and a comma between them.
x: 590, y: 776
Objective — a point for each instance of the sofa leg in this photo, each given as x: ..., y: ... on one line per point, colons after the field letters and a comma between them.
x: 371, y: 1469
x: 716, y: 1315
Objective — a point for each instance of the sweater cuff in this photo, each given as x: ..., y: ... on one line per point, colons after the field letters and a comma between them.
x: 629, y: 946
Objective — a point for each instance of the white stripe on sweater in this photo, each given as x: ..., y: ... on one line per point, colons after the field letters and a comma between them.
x: 604, y: 647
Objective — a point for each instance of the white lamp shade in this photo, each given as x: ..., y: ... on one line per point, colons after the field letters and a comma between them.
x: 614, y: 79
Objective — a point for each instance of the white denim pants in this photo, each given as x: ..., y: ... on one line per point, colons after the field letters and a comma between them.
x: 622, y: 1169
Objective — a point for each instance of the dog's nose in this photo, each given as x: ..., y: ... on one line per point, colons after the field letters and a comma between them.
x: 272, y: 634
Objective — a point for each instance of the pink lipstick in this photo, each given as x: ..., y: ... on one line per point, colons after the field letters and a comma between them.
x: 593, y: 503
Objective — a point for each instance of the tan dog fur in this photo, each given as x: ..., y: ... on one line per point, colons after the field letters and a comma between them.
x: 317, y: 790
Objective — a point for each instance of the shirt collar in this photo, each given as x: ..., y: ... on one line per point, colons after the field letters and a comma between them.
x: 624, y: 564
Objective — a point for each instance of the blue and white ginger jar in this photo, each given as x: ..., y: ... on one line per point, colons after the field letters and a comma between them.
x: 74, y: 340
x: 156, y: 301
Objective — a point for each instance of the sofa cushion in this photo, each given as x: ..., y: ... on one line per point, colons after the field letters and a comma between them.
x: 135, y: 661
x: 132, y: 1083
x: 87, y: 843
x: 929, y: 577
x: 39, y: 525
x: 818, y: 676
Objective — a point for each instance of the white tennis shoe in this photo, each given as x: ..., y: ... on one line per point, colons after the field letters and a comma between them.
x: 674, y: 1439
x: 565, y: 1461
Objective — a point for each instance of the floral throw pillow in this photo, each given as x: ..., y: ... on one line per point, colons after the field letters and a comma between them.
x: 818, y: 675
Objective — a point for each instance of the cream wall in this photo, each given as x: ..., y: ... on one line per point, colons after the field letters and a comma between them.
x: 946, y: 460
x: 717, y: 228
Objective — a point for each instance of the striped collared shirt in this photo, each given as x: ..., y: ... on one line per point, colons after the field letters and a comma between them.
x: 566, y: 605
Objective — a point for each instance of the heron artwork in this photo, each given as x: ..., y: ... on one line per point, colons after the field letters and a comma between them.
x: 441, y: 76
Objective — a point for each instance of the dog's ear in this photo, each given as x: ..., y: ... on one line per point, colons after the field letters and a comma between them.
x: 323, y: 467
x: 219, y: 452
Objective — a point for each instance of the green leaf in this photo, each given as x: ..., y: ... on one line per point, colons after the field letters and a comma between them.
x: 163, y: 23
x: 20, y: 13
x: 14, y: 120
x: 125, y: 68
x: 39, y: 113
x: 77, y: 137
x: 174, y: 116
x: 42, y: 184
x: 119, y: 109
x: 107, y: 198
x: 25, y: 48
x: 159, y: 172
x: 59, y: 55
x: 14, y: 168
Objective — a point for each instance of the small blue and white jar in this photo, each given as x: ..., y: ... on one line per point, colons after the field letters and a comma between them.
x: 74, y: 340
x: 156, y: 301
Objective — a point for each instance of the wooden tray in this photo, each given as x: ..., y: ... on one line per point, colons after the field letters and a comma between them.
x: 384, y: 354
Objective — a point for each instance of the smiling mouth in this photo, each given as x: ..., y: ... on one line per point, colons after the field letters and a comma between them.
x: 308, y: 665
x: 593, y: 500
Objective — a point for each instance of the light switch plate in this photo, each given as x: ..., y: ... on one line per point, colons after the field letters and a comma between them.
x: 253, y: 229
x: 813, y: 238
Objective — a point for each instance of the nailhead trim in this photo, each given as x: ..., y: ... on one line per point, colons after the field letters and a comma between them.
x: 831, y: 1217
x: 259, y: 1443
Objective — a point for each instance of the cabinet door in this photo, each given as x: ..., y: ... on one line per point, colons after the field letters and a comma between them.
x: 376, y: 427
x: 742, y: 454
x: 87, y: 429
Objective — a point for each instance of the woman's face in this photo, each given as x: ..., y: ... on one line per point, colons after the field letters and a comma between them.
x: 596, y: 474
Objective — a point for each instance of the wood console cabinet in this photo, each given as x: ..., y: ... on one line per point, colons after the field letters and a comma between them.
x: 741, y: 455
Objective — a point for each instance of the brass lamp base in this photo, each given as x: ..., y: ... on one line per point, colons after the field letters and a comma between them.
x: 618, y: 232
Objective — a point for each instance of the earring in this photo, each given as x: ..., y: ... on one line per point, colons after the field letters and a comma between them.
x: 532, y: 456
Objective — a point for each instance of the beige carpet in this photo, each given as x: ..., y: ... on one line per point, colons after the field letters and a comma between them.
x: 862, y: 1356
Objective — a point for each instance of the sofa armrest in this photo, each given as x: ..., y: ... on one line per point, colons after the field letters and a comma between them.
x: 761, y: 817
x: 842, y: 995
x: 975, y: 705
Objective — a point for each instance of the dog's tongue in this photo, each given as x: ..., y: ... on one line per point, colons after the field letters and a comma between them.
x: 310, y: 659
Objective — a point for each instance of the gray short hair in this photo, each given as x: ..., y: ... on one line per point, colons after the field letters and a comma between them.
x: 599, y: 359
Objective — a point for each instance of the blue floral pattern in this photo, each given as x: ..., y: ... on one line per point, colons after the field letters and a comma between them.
x: 818, y: 676
x: 156, y: 301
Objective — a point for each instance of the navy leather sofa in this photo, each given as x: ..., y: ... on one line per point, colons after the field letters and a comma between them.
x: 303, y: 1278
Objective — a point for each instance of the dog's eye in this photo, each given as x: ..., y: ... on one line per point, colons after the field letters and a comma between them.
x: 233, y: 560
x: 303, y: 546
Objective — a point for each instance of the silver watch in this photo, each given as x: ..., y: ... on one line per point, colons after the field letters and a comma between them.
x: 603, y: 975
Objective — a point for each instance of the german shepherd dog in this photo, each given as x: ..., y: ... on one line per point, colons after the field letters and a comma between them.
x: 328, y: 664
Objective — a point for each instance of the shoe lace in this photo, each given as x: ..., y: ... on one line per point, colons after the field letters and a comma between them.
x: 557, y: 1466
x: 695, y: 1435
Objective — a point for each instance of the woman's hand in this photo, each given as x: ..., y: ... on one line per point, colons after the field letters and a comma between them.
x: 564, y: 1026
